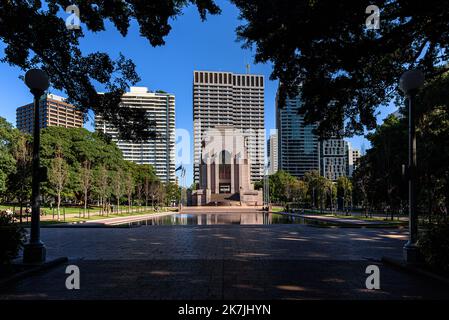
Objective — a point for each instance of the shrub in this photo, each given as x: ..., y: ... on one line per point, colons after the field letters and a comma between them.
x: 434, y: 246
x: 12, y: 238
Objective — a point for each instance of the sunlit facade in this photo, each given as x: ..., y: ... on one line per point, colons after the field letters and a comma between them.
x: 160, y: 151
x: 237, y: 100
x: 53, y: 111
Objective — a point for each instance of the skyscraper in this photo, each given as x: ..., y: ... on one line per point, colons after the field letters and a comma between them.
x: 160, y: 151
x: 333, y: 158
x: 237, y: 100
x: 54, y: 111
x: 272, y: 153
x: 352, y: 158
x: 298, y: 150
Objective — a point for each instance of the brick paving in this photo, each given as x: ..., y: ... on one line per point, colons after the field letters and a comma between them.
x: 281, y: 241
x: 225, y: 262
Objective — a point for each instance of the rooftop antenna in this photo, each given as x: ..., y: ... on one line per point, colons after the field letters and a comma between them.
x: 248, y: 68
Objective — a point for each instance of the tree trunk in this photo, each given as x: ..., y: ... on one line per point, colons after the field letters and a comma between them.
x: 447, y: 196
x: 59, y: 204
x: 85, y: 201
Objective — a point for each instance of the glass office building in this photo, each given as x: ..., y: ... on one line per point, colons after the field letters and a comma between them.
x: 298, y: 146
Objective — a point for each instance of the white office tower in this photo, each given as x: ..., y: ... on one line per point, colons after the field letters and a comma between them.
x: 160, y: 151
x: 272, y: 153
x: 352, y: 159
x: 236, y: 100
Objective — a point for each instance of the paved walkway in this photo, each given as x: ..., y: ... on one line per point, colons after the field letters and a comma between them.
x: 112, y: 221
x: 359, y: 214
x: 225, y: 262
x: 279, y: 241
x: 346, y: 221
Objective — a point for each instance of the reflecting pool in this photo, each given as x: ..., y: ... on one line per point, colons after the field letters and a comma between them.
x: 256, y: 218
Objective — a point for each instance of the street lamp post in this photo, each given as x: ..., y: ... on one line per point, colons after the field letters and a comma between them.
x: 266, y: 190
x: 34, y: 251
x: 410, y: 83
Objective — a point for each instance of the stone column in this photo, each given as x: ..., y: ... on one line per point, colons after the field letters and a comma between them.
x: 232, y: 175
x: 217, y: 175
x: 208, y: 185
x: 241, y: 163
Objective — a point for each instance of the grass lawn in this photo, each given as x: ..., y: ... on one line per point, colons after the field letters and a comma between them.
x: 342, y: 216
x: 3, y: 207
x: 48, y: 210
x: 355, y: 217
x: 74, y: 219
x: 363, y: 218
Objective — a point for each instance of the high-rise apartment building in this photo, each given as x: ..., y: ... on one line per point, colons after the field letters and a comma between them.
x: 160, y: 151
x: 352, y: 158
x: 333, y: 158
x: 298, y: 150
x: 272, y: 153
x: 237, y: 100
x: 53, y: 111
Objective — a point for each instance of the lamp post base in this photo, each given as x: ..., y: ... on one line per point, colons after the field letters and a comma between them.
x: 411, y: 253
x: 34, y: 253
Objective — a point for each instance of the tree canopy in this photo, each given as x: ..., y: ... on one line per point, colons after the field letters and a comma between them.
x: 78, y: 145
x: 313, y: 190
x: 344, y: 69
x: 83, y: 166
x: 378, y: 178
x: 7, y: 161
x: 44, y: 41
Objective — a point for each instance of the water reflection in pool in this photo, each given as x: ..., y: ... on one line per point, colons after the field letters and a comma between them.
x: 256, y: 218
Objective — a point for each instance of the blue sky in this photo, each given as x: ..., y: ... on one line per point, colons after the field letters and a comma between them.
x: 191, y: 45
